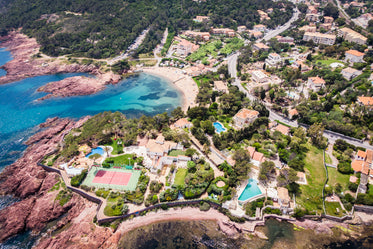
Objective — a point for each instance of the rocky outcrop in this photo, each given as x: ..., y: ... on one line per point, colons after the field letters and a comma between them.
x: 31, y: 183
x: 79, y: 85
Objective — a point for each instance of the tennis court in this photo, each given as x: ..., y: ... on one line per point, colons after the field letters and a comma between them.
x: 113, y: 178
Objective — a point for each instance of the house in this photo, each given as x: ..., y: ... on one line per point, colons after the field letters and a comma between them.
x: 256, y: 157
x: 223, y: 31
x: 325, y: 26
x: 169, y: 160
x: 365, y: 101
x: 183, y: 123
x: 353, y: 56
x: 308, y: 28
x: 259, y: 76
x: 286, y: 39
x: 319, y: 38
x: 293, y: 113
x: 312, y: 17
x: 283, y: 197
x: 352, y: 36
x: 194, y: 35
x: 328, y: 19
x: 349, y: 73
x: 158, y: 147
x: 263, y: 15
x: 311, y: 10
x: 241, y: 29
x: 283, y: 129
x: 260, y: 28
x: 245, y: 117
x: 273, y: 60
x: 316, y: 83
x: 201, y: 18
x: 299, y: 64
x: 184, y: 47
x: 220, y: 86
x: 363, y: 162
x: 255, y: 34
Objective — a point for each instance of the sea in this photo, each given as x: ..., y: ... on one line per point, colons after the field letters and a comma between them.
x: 21, y: 112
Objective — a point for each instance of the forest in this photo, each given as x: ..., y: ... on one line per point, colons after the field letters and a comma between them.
x: 103, y: 29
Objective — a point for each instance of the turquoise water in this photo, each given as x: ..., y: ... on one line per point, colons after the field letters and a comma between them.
x: 219, y: 127
x: 251, y: 190
x: 97, y: 150
x: 5, y: 56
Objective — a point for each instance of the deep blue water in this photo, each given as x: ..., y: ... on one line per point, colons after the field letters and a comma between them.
x: 21, y: 113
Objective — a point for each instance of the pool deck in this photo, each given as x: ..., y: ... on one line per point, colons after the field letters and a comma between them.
x: 216, y: 130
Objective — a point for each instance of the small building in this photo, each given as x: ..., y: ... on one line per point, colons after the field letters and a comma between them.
x: 286, y: 39
x: 183, y: 123
x: 316, y: 83
x: 293, y: 113
x: 255, y: 34
x: 259, y: 27
x: 308, y: 28
x: 328, y: 19
x: 283, y: 129
x: 273, y: 60
x: 201, y: 18
x: 223, y: 31
x: 311, y: 10
x: 259, y: 76
x: 221, y: 86
x: 245, y: 117
x: 353, y: 56
x: 349, y: 73
x: 325, y: 26
x: 256, y: 157
x: 299, y: 64
x: 241, y: 29
x: 260, y: 46
x: 312, y: 17
x: 263, y: 15
x: 195, y: 35
x: 283, y: 197
x: 365, y: 101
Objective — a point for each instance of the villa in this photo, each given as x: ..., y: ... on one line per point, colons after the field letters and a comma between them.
x: 349, y: 73
x: 260, y: 28
x: 328, y: 19
x: 365, y: 101
x: 353, y: 56
x: 241, y: 29
x: 299, y: 64
x: 260, y: 46
x: 221, y: 87
x: 183, y: 123
x: 312, y: 17
x: 263, y: 15
x: 223, y: 31
x: 283, y: 129
x: 159, y: 147
x: 256, y: 157
x: 259, y: 76
x: 273, y: 60
x: 194, y: 35
x: 316, y: 83
x: 245, y: 117
x: 363, y: 162
x: 185, y: 47
x: 308, y: 28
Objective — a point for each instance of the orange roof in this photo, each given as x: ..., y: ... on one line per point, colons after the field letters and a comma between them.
x: 317, y: 80
x: 360, y: 166
x: 258, y: 156
x: 261, y: 45
x: 365, y: 100
x: 246, y: 113
x: 182, y: 122
x: 369, y: 156
x: 283, y: 129
x: 251, y: 151
x: 231, y: 161
x: 361, y: 154
x: 354, y: 52
x: 293, y: 112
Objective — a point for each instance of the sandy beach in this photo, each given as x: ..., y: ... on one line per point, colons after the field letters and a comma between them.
x: 182, y: 81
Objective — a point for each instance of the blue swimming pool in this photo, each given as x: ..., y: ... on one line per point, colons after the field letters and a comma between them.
x: 97, y: 150
x: 251, y: 190
x: 219, y: 127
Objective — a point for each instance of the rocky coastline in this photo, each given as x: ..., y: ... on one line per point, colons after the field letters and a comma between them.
x: 27, y: 62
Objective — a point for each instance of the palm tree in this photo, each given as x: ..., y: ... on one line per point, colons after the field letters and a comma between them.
x: 107, y: 149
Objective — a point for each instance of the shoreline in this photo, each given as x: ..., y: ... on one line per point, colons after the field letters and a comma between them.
x: 184, y: 83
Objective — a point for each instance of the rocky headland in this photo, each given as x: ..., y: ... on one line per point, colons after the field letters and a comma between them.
x: 27, y: 62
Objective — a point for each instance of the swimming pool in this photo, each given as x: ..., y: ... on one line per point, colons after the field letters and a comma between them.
x: 219, y: 127
x: 251, y: 190
x: 97, y: 150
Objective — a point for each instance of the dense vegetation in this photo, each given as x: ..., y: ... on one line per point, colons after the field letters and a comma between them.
x: 101, y: 29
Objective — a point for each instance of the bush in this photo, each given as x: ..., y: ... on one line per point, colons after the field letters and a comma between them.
x: 77, y: 180
x: 125, y: 209
x: 352, y: 186
x: 345, y: 168
x: 204, y: 206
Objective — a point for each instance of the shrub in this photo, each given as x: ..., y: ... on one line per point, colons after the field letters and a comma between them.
x: 125, y: 209
x: 352, y: 186
x: 204, y: 206
x: 345, y: 168
x: 77, y: 180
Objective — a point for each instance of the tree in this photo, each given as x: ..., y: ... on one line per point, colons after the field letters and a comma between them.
x: 331, y: 10
x: 125, y: 209
x: 177, y: 113
x: 266, y: 169
x: 315, y: 132
x: 242, y: 165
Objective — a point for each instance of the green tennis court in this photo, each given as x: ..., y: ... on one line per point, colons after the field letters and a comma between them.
x: 113, y: 178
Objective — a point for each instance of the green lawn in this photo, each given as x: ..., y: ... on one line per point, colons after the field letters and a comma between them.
x: 331, y: 209
x: 126, y: 159
x: 116, y: 147
x: 210, y: 48
x: 370, y: 189
x: 176, y: 153
x: 232, y: 45
x: 336, y: 177
x: 328, y: 160
x: 328, y: 61
x: 180, y: 176
x: 311, y: 194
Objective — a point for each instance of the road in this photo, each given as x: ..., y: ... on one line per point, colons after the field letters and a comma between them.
x: 282, y: 28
